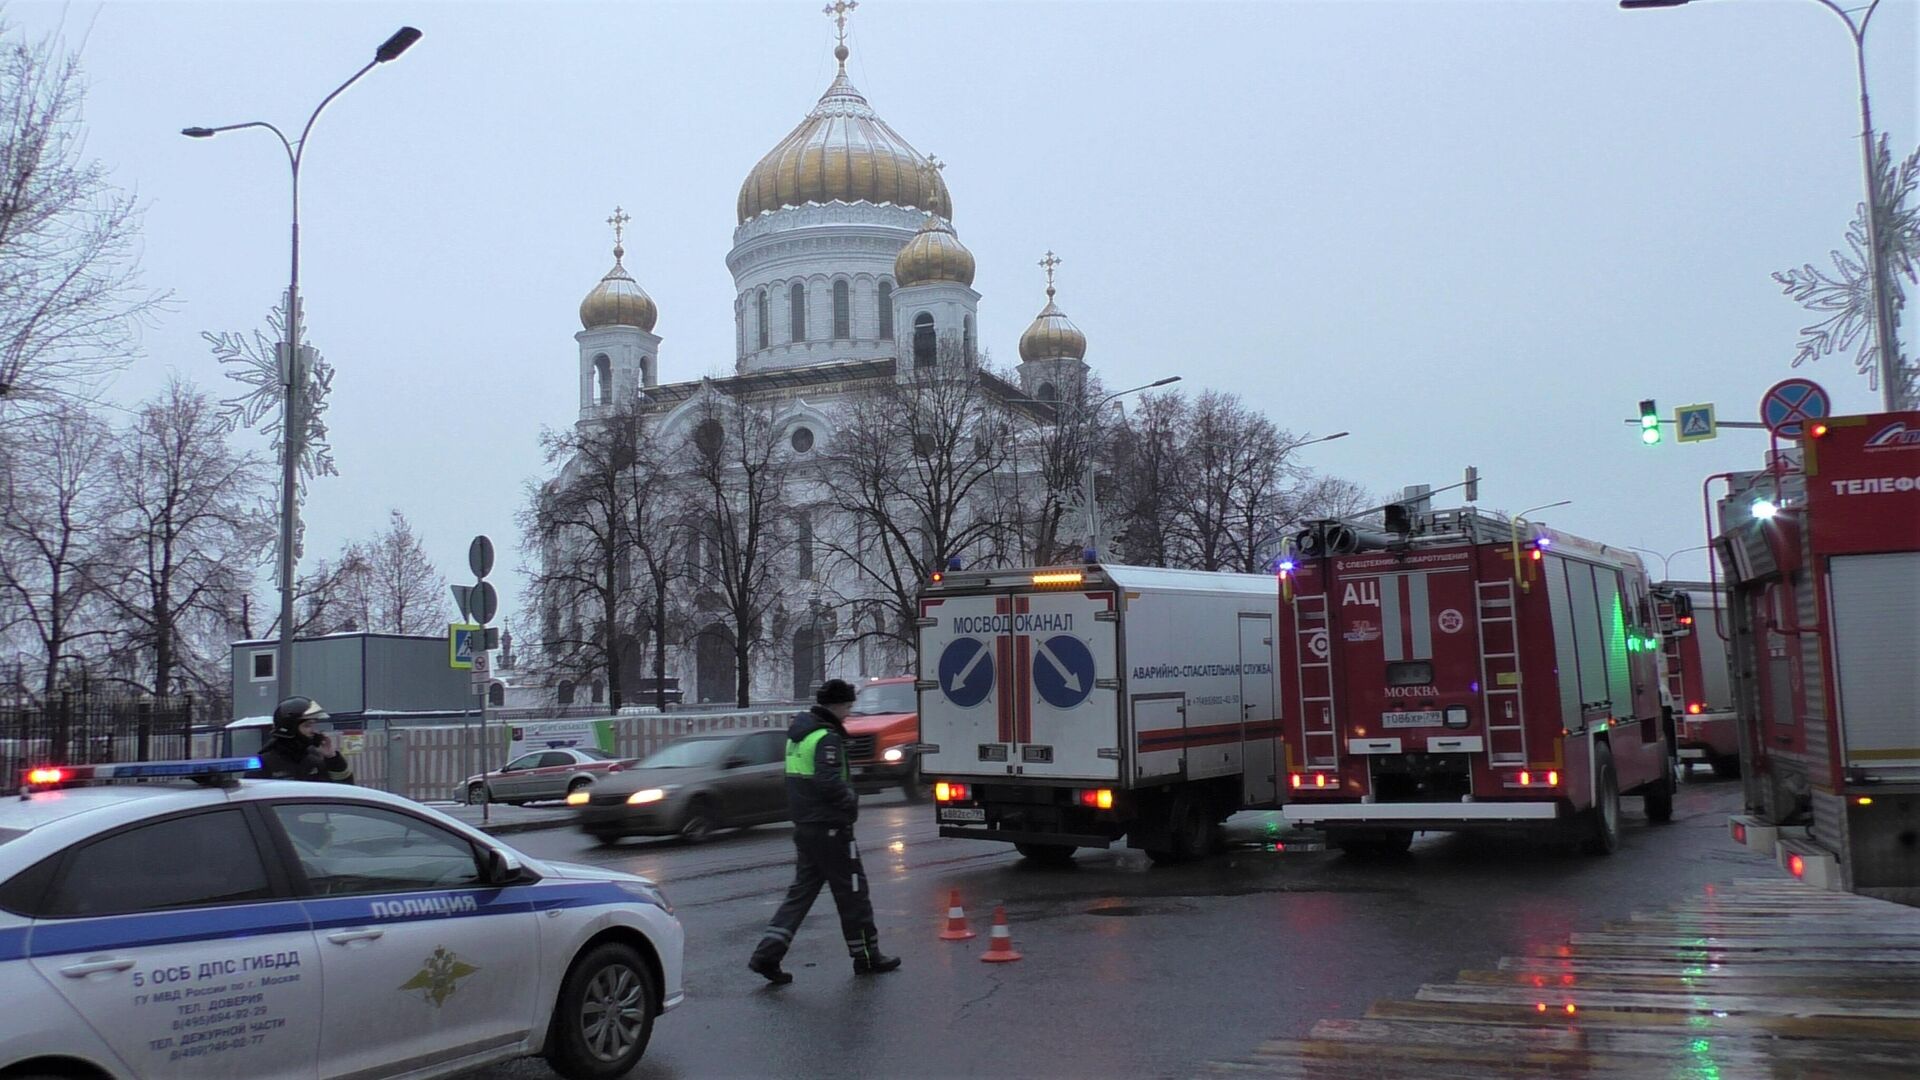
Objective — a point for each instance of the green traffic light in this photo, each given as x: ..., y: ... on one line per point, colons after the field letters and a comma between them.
x: 1650, y: 434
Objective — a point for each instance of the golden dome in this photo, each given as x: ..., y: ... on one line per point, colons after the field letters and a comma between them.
x: 618, y: 300
x: 1052, y: 336
x: 843, y: 152
x: 934, y: 254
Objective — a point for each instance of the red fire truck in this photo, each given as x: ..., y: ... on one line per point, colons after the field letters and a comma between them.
x: 1822, y: 555
x: 1695, y: 656
x: 1464, y: 671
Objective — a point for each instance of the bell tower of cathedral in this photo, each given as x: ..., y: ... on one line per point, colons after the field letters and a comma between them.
x: 619, y: 352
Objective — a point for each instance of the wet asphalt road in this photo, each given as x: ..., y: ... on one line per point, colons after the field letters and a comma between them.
x: 1130, y: 969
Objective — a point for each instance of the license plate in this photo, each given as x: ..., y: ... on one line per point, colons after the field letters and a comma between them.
x: 1424, y: 718
x: 1690, y: 753
x: 964, y: 814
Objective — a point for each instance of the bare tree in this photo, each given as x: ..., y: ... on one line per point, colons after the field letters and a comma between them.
x: 577, y: 524
x: 1229, y: 495
x: 656, y: 536
x: 738, y: 467
x: 1048, y: 463
x: 69, y: 297
x: 911, y: 479
x: 1147, y: 466
x: 183, y: 496
x: 55, y: 545
x: 399, y: 590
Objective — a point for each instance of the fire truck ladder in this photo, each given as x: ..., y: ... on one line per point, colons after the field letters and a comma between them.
x: 1319, y: 735
x: 1665, y: 616
x: 1499, y: 632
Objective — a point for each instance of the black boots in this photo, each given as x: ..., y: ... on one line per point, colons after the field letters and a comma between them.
x: 875, y: 964
x: 770, y: 970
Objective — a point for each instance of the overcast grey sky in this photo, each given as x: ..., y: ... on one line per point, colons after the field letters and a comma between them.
x: 1469, y: 232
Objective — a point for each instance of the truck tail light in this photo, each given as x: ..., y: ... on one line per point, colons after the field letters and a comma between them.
x: 945, y: 792
x: 1297, y: 779
x: 1694, y: 709
x: 1553, y: 779
x: 1797, y: 865
x: 1320, y: 779
x: 1098, y: 798
x: 1739, y: 833
x: 1526, y: 778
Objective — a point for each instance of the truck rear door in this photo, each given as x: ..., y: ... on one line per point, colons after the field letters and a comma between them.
x: 1021, y: 683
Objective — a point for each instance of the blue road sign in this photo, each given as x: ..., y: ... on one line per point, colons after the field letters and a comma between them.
x: 966, y: 671
x: 1694, y: 423
x: 1790, y: 403
x: 1062, y: 670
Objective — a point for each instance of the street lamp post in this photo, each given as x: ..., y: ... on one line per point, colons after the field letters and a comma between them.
x: 1520, y: 519
x: 1894, y: 392
x: 293, y: 375
x: 1666, y: 560
x: 1087, y: 488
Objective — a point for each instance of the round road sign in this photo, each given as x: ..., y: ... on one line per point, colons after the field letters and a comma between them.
x: 1789, y: 404
x: 480, y: 556
x: 1062, y: 670
x: 966, y: 671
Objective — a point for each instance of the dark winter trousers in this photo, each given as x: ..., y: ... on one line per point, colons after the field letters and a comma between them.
x: 826, y: 855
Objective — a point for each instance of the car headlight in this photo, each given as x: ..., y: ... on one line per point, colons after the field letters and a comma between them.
x: 646, y: 795
x: 647, y: 893
x: 894, y: 754
x: 578, y: 798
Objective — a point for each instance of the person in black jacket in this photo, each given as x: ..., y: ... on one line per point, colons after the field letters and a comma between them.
x: 296, y: 751
x: 824, y: 806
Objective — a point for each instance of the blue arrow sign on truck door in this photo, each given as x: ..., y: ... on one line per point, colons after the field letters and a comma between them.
x: 966, y: 672
x: 1062, y: 670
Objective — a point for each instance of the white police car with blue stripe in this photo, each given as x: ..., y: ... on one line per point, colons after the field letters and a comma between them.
x: 179, y: 922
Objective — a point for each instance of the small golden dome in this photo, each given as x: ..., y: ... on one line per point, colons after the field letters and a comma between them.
x: 618, y: 300
x: 1052, y: 336
x: 843, y: 152
x: 934, y: 254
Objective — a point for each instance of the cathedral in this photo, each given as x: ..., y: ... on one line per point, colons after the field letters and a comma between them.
x: 848, y: 274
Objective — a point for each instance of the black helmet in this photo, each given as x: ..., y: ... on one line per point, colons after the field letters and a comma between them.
x: 836, y: 692
x: 289, y: 714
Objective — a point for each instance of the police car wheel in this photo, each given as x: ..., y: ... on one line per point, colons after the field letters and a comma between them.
x: 604, y: 1016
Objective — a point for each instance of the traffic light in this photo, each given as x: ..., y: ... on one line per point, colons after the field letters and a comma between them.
x: 1473, y: 484
x: 1649, y: 422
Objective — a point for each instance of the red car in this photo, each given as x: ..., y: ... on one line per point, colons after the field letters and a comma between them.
x: 881, y: 736
x: 543, y: 774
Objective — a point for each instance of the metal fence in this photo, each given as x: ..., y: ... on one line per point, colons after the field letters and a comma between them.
x: 430, y: 763
x: 80, y: 729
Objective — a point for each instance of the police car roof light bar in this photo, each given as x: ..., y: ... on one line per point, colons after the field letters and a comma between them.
x: 204, y: 770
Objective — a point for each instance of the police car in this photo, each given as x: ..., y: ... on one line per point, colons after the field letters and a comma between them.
x: 191, y: 924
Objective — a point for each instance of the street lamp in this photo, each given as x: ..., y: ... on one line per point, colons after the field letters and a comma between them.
x: 292, y: 426
x: 1087, y: 488
x: 1893, y: 387
x: 1666, y: 561
x: 1520, y: 519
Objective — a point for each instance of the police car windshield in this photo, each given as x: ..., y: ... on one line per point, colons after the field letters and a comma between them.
x: 593, y: 755
x: 889, y: 698
x: 11, y: 834
x: 687, y: 754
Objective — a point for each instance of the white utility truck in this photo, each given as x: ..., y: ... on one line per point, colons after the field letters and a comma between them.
x: 1067, y: 707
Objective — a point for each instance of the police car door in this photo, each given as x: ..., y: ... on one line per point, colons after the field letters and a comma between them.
x: 423, y: 962
x: 172, y: 941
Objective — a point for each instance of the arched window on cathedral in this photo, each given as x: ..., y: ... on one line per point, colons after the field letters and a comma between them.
x: 842, y: 311
x: 1048, y: 392
x: 497, y: 695
x: 760, y: 317
x: 602, y: 380
x: 923, y: 342
x: 886, y: 311
x: 966, y: 338
x: 803, y: 544
x: 797, y: 302
x: 565, y: 692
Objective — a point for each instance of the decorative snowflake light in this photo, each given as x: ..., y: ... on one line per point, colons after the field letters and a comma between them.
x: 254, y: 362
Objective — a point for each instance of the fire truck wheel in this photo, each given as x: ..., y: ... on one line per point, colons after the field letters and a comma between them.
x: 1193, y: 833
x: 1603, y: 821
x: 1660, y: 796
x: 1046, y: 854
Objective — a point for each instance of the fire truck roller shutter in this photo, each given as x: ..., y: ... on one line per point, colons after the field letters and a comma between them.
x: 1876, y: 632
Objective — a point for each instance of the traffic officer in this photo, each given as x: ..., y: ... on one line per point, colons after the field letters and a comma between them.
x: 824, y: 806
x: 295, y: 751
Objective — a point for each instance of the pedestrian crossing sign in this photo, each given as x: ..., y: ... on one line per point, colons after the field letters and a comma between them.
x: 1694, y: 423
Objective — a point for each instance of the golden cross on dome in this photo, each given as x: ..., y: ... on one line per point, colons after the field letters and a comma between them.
x: 618, y: 221
x: 1048, y: 264
x: 838, y: 10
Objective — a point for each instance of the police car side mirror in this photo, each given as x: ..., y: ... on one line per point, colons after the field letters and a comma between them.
x: 503, y: 867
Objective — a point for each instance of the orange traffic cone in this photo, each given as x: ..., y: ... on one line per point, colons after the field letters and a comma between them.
x: 999, y: 941
x: 956, y: 920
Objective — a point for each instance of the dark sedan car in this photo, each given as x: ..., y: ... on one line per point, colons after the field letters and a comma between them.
x: 690, y: 787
